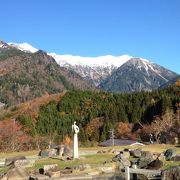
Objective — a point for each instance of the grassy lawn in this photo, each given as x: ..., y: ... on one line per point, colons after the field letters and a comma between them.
x: 90, y: 156
x: 90, y: 150
x: 93, y: 160
x: 21, y: 153
x: 152, y: 148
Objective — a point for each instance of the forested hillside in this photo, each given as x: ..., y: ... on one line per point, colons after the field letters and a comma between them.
x: 97, y: 113
x: 25, y: 76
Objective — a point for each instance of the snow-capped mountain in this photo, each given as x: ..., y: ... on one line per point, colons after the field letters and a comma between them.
x: 3, y: 44
x: 112, y: 73
x: 93, y: 69
x: 23, y: 47
x: 136, y: 75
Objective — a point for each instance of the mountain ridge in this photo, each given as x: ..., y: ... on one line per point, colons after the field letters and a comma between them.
x: 137, y: 75
x: 25, y: 76
x: 102, y: 69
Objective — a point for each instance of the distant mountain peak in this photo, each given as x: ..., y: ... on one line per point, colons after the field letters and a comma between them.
x: 99, y: 61
x: 23, y: 47
x: 136, y: 75
x: 3, y: 44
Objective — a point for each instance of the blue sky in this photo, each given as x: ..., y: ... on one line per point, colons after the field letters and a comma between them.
x: 142, y: 28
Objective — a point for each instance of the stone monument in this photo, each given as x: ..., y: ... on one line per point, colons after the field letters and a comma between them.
x: 75, y: 130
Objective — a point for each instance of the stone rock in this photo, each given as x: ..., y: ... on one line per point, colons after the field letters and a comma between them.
x: 50, y: 167
x: 16, y: 174
x: 11, y: 160
x: 134, y: 162
x: 123, y: 163
x: 156, y: 164
x: 147, y: 154
x: 109, y: 169
x: 85, y: 166
x: 143, y: 162
x: 135, y: 153
x: 81, y: 167
x: 126, y: 154
x: 176, y: 158
x: 118, y: 157
x: 94, y: 173
x: 67, y: 170
x: 172, y: 173
x: 39, y: 177
x: 53, y: 174
x: 61, y: 150
x: 126, y: 162
x: 52, y: 152
x: 67, y: 150
x: 155, y: 155
x: 24, y: 163
x: 169, y: 153
x: 162, y: 157
x: 44, y: 153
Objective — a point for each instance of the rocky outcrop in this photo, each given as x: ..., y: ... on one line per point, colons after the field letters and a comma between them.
x: 172, y: 173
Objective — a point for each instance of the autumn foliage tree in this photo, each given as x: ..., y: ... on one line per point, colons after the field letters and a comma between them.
x: 92, y: 128
x: 167, y: 125
x: 123, y: 130
x: 12, y: 138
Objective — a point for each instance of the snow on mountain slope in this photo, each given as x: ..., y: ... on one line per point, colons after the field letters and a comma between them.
x: 137, y: 74
x: 3, y: 44
x: 93, y: 69
x: 114, y: 73
x: 102, y: 61
x: 24, y: 47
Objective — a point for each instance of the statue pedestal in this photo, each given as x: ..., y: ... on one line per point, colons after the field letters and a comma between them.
x: 75, y: 148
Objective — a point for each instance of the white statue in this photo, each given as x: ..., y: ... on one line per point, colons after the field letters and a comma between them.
x: 75, y: 130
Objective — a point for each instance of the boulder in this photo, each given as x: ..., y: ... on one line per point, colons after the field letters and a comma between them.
x: 61, y: 150
x: 53, y: 174
x: 169, y: 153
x: 147, y: 154
x: 172, y: 173
x: 11, y: 160
x: 126, y: 154
x: 156, y: 164
x: 176, y: 158
x: 38, y: 177
x: 50, y: 167
x: 67, y: 170
x: 81, y: 167
x: 162, y: 157
x: 108, y: 169
x: 44, y: 153
x: 135, y: 153
x: 24, y: 163
x: 126, y: 162
x: 16, y: 174
x: 67, y: 150
x: 52, y: 152
x: 118, y: 157
x: 143, y: 162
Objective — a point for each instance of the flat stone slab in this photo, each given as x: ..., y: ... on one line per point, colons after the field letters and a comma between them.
x: 146, y: 172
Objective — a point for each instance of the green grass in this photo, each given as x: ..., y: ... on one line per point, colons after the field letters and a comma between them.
x: 169, y: 164
x: 152, y: 148
x: 93, y: 160
x: 91, y: 157
x: 21, y: 153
